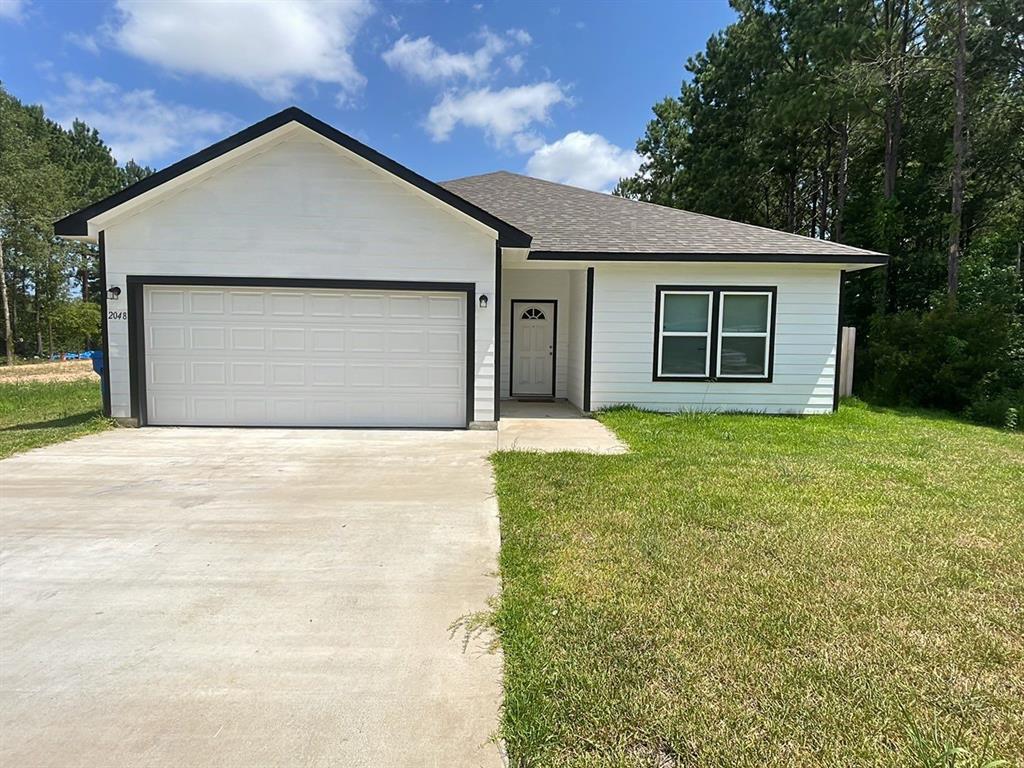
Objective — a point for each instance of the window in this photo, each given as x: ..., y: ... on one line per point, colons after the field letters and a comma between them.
x: 714, y: 333
x: 685, y: 345
x: 532, y: 314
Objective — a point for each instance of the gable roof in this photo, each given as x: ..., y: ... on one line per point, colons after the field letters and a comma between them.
x: 76, y: 224
x: 572, y: 223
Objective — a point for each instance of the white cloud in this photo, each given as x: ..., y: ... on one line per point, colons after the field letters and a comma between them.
x: 586, y: 160
x: 136, y: 124
x: 515, y: 62
x: 85, y: 42
x: 422, y: 59
x: 505, y: 115
x: 269, y: 46
x: 521, y: 36
x: 12, y: 9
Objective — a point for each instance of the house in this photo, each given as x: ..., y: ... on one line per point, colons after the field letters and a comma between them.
x: 290, y: 275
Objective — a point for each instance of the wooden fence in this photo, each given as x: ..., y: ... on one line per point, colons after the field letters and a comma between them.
x: 849, y: 344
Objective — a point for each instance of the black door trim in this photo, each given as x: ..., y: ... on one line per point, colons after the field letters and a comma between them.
x: 137, y: 327
x: 512, y: 348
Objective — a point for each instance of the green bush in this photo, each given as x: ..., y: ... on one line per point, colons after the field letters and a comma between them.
x: 969, y: 362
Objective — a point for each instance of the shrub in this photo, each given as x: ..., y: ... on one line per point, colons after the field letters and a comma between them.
x: 969, y: 362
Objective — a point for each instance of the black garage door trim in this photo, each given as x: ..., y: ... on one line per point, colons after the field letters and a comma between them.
x: 137, y: 334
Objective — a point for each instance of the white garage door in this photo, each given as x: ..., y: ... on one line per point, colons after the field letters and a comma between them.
x: 303, y: 357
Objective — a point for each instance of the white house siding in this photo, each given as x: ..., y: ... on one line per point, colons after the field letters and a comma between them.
x: 301, y: 208
x: 805, y: 339
x: 577, y: 336
x: 539, y: 285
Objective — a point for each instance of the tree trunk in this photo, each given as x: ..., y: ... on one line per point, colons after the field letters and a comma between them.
x: 844, y: 168
x: 826, y: 183
x: 39, y: 327
x: 959, y: 148
x: 791, y: 201
x: 8, y: 330
x: 897, y: 25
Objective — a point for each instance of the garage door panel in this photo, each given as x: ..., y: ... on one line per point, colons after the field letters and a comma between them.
x: 287, y: 339
x: 247, y: 303
x: 206, y: 302
x: 445, y: 341
x: 169, y: 409
x: 249, y: 373
x: 245, y: 356
x: 247, y: 339
x: 165, y: 301
x: 367, y: 306
x: 171, y: 337
x: 328, y: 374
x: 365, y: 340
x: 210, y: 410
x: 327, y: 340
x: 208, y: 373
x: 205, y: 338
x: 287, y: 304
x: 326, y: 305
x: 407, y: 342
x: 445, y: 308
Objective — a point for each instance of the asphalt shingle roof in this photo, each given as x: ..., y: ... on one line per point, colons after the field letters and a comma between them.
x: 569, y: 219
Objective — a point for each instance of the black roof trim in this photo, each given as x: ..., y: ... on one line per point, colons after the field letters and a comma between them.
x: 76, y: 224
x: 756, y: 258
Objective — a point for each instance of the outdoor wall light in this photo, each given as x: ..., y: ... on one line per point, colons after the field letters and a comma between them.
x: 114, y: 293
x: 483, y: 301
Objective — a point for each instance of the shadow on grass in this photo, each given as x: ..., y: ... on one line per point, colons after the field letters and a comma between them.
x: 66, y: 421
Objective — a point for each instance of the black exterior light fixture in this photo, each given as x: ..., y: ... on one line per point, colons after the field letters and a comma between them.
x: 483, y: 301
x: 114, y: 293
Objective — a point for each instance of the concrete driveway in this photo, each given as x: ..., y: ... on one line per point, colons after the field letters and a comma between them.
x: 184, y: 597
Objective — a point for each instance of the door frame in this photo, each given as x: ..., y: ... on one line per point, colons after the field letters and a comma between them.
x: 512, y: 345
x: 136, y: 284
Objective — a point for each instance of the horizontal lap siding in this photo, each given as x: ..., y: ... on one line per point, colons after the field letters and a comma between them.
x: 805, y: 339
x: 301, y: 209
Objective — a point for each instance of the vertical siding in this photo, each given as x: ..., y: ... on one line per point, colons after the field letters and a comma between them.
x: 302, y: 208
x: 537, y: 284
x: 577, y: 336
x: 805, y: 339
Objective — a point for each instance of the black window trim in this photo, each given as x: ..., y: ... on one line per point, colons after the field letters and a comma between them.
x: 716, y: 292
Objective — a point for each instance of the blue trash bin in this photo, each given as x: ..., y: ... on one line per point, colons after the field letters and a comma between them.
x: 98, y: 363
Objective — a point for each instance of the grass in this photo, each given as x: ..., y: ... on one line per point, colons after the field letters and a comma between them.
x: 39, y: 413
x: 766, y: 591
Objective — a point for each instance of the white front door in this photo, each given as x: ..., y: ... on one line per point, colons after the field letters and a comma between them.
x: 533, y: 348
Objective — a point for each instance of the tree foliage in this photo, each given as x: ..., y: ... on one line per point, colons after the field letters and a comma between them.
x: 46, y: 172
x: 836, y: 120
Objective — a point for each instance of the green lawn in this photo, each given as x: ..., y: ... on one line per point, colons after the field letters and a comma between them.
x: 766, y: 591
x: 40, y: 413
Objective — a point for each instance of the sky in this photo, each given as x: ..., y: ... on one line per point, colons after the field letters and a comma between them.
x: 560, y: 90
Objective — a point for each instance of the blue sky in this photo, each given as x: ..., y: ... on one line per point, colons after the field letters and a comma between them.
x: 560, y: 90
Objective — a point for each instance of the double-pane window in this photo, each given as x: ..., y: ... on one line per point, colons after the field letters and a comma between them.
x: 714, y: 333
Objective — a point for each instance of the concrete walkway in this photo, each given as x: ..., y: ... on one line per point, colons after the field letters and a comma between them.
x: 264, y: 597
x: 552, y: 426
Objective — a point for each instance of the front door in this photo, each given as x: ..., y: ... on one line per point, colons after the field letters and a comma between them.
x: 533, y: 348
